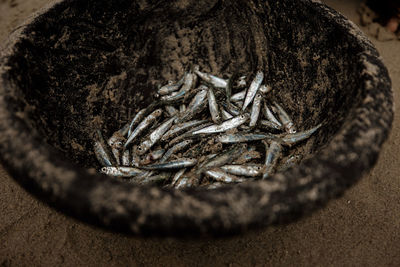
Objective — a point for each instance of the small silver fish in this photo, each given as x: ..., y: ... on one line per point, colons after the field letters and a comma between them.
x: 225, y: 158
x: 116, y: 142
x: 244, y: 170
x: 179, y: 128
x: 174, y: 164
x: 155, y: 136
x: 171, y: 87
x: 255, y: 110
x: 138, y: 117
x: 273, y: 152
x: 264, y: 89
x: 143, y: 125
x: 188, y: 134
x: 197, y: 104
x: 182, y: 108
x: 155, y: 179
x: 175, y: 149
x: 239, y: 96
x: 270, y: 116
x: 101, y: 151
x: 225, y: 114
x: 177, y: 176
x: 243, y: 137
x: 270, y: 125
x: 291, y: 139
x: 211, y: 79
x: 252, y: 91
x: 226, y: 125
x: 285, y: 119
x: 213, y: 106
x: 215, y: 185
x: 241, y: 82
x: 182, y: 182
x: 221, y: 176
x: 121, y: 171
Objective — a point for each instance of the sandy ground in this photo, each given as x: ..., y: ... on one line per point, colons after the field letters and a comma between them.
x: 361, y: 228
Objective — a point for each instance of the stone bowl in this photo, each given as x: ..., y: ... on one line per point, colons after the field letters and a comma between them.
x: 80, y: 65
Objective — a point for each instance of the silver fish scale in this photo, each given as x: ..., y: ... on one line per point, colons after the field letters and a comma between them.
x: 207, y: 137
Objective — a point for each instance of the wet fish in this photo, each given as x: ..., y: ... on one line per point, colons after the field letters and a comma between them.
x: 116, y: 142
x: 221, y: 176
x: 270, y: 116
x: 155, y: 179
x: 174, y: 164
x: 273, y: 152
x: 101, y: 151
x: 143, y: 125
x: 252, y: 91
x: 171, y: 87
x: 175, y: 149
x: 211, y: 79
x: 255, y: 110
x: 291, y: 139
x: 243, y: 137
x: 189, y: 133
x: 285, y: 119
x: 197, y: 104
x: 225, y: 114
x: 241, y: 82
x: 213, y: 106
x: 225, y: 158
x: 290, y: 162
x: 239, y: 96
x: 125, y: 158
x: 121, y: 171
x: 226, y: 125
x: 269, y: 125
x: 177, y: 176
x: 244, y: 170
x: 135, y: 121
x: 179, y: 128
x: 264, y: 89
x: 155, y: 136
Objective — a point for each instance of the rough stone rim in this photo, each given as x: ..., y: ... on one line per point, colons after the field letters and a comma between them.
x: 153, y: 211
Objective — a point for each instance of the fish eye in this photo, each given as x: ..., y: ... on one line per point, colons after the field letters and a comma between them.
x: 103, y: 169
x: 139, y: 148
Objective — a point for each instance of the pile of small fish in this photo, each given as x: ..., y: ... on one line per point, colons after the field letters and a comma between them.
x: 203, y: 131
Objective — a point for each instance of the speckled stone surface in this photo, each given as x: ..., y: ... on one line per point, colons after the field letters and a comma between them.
x: 85, y: 64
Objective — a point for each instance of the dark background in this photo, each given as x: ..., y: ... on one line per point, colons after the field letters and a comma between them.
x: 360, y: 228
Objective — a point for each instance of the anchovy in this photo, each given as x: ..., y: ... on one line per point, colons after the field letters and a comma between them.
x: 101, y: 151
x: 225, y: 114
x: 179, y: 128
x: 170, y: 87
x: 188, y: 134
x: 121, y: 171
x: 143, y: 125
x: 152, y: 156
x: 125, y: 158
x: 211, y: 79
x: 221, y: 176
x: 270, y: 116
x: 273, y: 152
x: 244, y: 170
x: 174, y: 164
x: 138, y: 117
x: 135, y: 160
x: 247, y: 156
x: 197, y: 104
x: 291, y: 139
x: 239, y: 96
x: 177, y: 176
x: 232, y: 109
x: 175, y: 149
x: 171, y: 110
x: 155, y: 136
x: 182, y: 182
x: 225, y: 158
x: 213, y: 106
x: 244, y: 137
x: 285, y: 119
x: 255, y: 110
x: 290, y: 162
x: 214, y: 185
x: 226, y: 125
x: 270, y: 125
x: 116, y: 142
x: 254, y: 86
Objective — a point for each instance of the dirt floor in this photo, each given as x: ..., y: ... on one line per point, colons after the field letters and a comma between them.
x: 361, y: 228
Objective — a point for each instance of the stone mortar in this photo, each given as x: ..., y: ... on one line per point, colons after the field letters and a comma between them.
x: 80, y: 65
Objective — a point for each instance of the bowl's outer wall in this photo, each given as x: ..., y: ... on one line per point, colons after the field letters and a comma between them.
x: 83, y: 65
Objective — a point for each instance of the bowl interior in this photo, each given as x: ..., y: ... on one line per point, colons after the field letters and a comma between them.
x: 89, y: 65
